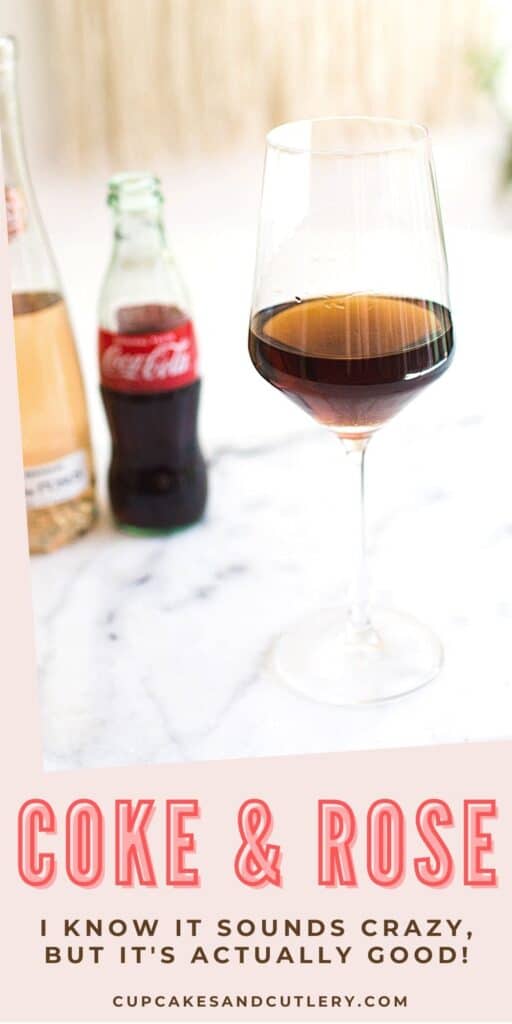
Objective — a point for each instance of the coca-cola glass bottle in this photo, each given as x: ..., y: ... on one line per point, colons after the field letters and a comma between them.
x: 149, y: 369
x: 58, y: 465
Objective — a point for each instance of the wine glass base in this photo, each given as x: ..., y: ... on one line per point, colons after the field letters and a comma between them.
x: 323, y: 658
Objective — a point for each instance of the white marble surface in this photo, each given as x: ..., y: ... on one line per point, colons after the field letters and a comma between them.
x: 152, y: 650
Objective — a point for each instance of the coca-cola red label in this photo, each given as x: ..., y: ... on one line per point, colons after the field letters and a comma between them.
x: 147, y: 363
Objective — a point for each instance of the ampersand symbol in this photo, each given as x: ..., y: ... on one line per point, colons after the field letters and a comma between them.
x: 257, y: 861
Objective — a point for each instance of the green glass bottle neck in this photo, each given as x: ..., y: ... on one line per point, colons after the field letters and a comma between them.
x: 139, y: 232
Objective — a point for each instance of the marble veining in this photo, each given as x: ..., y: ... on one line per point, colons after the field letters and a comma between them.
x: 153, y: 650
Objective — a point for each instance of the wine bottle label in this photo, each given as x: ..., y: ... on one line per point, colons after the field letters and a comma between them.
x: 148, y: 363
x: 53, y: 483
x: 15, y: 211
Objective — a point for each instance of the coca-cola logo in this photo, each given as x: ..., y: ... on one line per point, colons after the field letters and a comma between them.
x: 152, y: 362
x: 168, y: 359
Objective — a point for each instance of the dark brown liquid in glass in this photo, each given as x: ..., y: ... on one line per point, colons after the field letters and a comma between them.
x: 352, y: 361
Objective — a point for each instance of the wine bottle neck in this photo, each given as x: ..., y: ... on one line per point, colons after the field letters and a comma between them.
x: 32, y: 265
x: 16, y: 172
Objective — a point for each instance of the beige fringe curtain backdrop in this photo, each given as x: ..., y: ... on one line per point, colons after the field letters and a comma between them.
x: 137, y: 78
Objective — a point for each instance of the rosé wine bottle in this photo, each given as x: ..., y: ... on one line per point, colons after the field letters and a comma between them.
x: 57, y: 458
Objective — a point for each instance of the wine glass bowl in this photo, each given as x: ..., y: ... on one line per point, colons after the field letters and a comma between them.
x: 351, y: 320
x: 352, y: 361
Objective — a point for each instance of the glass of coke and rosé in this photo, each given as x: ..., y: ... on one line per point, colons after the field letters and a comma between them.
x: 351, y: 320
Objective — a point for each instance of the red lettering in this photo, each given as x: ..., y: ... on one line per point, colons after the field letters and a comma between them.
x: 477, y: 843
x: 132, y: 850
x: 385, y: 849
x: 84, y: 843
x: 437, y: 869
x: 180, y: 842
x: 35, y: 868
x: 336, y: 834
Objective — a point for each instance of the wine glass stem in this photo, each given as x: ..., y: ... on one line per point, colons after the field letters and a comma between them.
x: 358, y: 602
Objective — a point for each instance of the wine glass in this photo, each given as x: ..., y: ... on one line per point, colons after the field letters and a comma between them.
x: 350, y: 319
